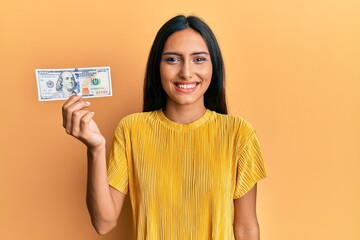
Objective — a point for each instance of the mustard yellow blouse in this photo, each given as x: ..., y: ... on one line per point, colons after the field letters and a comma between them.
x: 182, y: 178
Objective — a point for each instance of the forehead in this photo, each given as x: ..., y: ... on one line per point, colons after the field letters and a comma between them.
x: 186, y: 40
x: 66, y: 74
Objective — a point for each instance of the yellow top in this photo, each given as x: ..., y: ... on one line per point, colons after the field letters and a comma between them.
x: 183, y: 177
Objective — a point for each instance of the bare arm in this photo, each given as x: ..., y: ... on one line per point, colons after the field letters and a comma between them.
x: 246, y: 226
x: 104, y: 202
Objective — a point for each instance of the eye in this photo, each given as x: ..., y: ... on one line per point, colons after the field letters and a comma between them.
x: 172, y: 60
x: 199, y: 59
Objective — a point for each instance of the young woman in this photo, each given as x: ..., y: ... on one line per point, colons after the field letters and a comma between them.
x: 190, y: 169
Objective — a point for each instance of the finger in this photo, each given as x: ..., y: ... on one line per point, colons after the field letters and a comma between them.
x: 85, y: 121
x: 76, y: 119
x: 69, y: 110
x: 69, y: 102
x: 74, y: 98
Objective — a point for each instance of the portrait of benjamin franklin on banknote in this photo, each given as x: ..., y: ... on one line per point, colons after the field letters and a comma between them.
x: 66, y: 85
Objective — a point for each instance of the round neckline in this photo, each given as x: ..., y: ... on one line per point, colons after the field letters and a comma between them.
x: 179, y: 126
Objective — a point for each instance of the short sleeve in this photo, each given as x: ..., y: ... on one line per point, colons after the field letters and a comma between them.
x: 117, y: 166
x: 250, y: 165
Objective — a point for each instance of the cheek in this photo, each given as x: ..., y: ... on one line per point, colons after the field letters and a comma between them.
x: 210, y: 70
x: 166, y: 74
x: 163, y: 80
x: 209, y: 74
x: 206, y: 73
x: 162, y: 71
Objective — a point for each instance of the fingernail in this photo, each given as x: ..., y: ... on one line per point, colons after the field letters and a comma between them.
x: 88, y: 103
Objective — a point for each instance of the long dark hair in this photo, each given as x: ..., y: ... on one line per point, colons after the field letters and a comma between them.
x: 154, y: 94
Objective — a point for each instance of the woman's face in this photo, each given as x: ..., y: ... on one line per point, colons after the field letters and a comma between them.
x: 185, y: 69
x: 68, y: 81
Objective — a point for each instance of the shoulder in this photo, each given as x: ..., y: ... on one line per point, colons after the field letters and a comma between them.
x: 136, y: 119
x: 234, y: 127
x: 234, y: 121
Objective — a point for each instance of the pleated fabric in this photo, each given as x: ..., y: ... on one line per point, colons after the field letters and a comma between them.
x: 183, y: 178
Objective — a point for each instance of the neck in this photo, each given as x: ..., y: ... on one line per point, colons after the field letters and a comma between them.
x: 184, y: 114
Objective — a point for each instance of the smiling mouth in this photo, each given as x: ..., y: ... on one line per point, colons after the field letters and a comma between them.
x: 186, y: 86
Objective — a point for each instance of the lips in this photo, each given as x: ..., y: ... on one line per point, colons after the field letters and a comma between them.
x: 186, y: 86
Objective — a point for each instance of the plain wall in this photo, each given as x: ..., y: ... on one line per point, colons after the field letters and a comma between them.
x: 292, y: 71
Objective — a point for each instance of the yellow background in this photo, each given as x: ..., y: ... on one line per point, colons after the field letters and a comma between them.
x: 292, y: 71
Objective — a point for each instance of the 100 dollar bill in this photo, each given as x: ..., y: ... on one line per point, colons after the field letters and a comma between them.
x: 58, y: 84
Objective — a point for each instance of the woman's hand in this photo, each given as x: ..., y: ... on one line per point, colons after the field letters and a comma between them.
x: 78, y: 122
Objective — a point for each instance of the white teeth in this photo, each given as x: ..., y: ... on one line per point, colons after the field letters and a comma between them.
x: 186, y: 86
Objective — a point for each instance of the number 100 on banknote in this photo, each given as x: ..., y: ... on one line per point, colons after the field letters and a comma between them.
x: 58, y: 84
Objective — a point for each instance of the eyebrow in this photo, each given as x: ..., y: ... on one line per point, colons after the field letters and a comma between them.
x: 178, y: 54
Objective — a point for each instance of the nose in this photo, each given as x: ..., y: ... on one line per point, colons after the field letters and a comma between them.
x: 186, y: 71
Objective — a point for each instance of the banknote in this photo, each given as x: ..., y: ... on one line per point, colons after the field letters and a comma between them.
x: 58, y: 84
